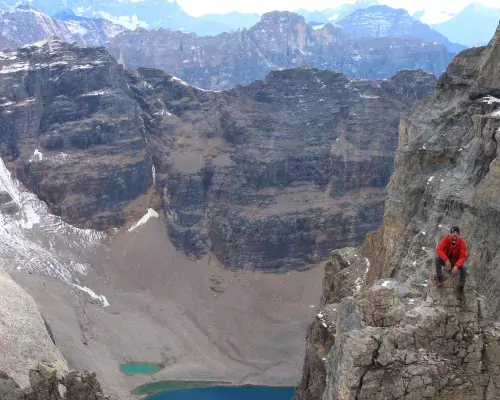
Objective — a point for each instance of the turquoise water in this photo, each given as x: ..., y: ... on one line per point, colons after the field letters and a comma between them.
x: 140, y: 368
x: 228, y: 393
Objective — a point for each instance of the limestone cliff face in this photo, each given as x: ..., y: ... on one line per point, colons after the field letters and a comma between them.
x: 380, y: 338
x: 271, y: 175
x: 70, y: 131
x: 280, y: 40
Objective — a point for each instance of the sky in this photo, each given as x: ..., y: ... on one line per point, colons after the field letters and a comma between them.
x: 200, y: 7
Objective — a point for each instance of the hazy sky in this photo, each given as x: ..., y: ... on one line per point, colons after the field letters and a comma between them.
x: 199, y: 7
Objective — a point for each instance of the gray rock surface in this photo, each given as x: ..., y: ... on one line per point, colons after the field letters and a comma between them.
x: 24, y: 340
x: 279, y: 40
x: 74, y: 116
x: 25, y: 25
x: 446, y: 174
x: 394, y: 341
x: 271, y: 176
x: 45, y: 385
x: 398, y: 336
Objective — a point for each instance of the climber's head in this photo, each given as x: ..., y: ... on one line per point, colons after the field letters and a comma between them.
x: 455, y: 232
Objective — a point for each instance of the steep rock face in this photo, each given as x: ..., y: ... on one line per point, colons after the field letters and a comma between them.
x: 26, y: 25
x: 446, y: 173
x: 71, y: 133
x: 44, y: 385
x: 399, y: 341
x: 24, y: 340
x: 380, y: 21
x: 274, y: 174
x: 271, y: 175
x: 279, y: 40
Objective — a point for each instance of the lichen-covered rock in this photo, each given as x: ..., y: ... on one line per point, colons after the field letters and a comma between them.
x: 280, y: 40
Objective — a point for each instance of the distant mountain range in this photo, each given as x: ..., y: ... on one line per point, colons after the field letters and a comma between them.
x: 384, y: 21
x: 23, y: 25
x: 280, y: 40
x: 475, y: 25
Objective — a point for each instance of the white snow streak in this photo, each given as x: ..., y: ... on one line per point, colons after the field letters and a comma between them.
x: 92, y: 294
x: 151, y: 213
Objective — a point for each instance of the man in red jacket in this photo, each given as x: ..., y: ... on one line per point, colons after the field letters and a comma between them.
x: 452, y: 253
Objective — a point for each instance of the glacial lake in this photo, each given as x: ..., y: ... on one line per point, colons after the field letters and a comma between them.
x: 227, y: 393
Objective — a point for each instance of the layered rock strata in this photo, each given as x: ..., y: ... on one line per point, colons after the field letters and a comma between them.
x: 280, y: 40
x: 271, y: 175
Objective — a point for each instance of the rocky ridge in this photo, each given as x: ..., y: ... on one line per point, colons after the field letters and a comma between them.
x: 225, y: 165
x: 26, y: 25
x: 280, y: 40
x: 399, y: 341
x: 378, y: 338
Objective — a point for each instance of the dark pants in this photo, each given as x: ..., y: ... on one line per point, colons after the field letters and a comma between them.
x: 462, y: 269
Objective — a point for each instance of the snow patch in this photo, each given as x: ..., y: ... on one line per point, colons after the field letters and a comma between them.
x: 92, y: 294
x: 490, y: 100
x: 33, y: 240
x: 318, y: 27
x: 37, y: 156
x: 386, y: 283
x: 150, y: 214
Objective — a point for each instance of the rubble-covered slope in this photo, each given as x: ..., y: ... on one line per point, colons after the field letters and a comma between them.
x: 280, y: 40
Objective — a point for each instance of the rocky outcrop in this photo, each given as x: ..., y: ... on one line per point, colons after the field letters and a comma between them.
x: 25, y: 25
x: 380, y: 21
x: 383, y: 339
x: 400, y: 341
x: 279, y: 40
x: 235, y: 170
x: 24, y: 340
x: 446, y: 173
x: 45, y: 385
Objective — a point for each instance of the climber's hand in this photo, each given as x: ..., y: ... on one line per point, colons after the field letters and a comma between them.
x: 455, y: 270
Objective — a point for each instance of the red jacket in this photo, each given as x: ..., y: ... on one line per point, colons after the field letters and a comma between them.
x: 459, y: 253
